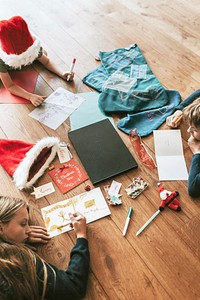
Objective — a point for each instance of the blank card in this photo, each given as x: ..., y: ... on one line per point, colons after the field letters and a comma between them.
x: 169, y: 155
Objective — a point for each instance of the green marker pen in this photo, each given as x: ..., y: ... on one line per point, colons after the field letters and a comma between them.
x: 130, y: 210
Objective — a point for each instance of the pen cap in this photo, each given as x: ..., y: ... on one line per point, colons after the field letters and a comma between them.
x: 130, y: 212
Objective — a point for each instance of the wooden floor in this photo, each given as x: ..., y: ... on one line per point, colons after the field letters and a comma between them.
x: 163, y: 262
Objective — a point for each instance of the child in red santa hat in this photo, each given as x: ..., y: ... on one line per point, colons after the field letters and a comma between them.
x: 18, y: 48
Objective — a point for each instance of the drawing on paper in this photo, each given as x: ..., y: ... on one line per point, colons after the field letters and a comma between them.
x: 91, y: 204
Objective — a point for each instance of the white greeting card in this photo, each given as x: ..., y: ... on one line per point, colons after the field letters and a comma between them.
x: 169, y: 155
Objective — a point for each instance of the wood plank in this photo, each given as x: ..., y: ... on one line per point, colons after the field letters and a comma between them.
x: 162, y: 262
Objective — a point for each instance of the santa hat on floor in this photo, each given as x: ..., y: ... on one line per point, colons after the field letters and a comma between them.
x: 17, y: 46
x: 27, y: 162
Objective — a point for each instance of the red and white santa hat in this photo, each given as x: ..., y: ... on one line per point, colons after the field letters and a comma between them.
x: 27, y: 162
x: 17, y: 46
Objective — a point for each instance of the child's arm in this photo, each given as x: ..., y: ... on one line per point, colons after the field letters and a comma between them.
x: 79, y: 225
x: 175, y: 119
x: 51, y: 67
x: 18, y: 91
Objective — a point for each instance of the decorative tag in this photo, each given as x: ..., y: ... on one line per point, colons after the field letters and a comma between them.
x: 114, y: 200
x: 112, y: 193
x: 114, y: 188
x: 43, y: 190
x: 64, y: 154
x: 137, y: 186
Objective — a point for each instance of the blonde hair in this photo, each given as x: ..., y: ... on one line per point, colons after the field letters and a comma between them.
x: 9, y: 206
x: 192, y: 113
x: 18, y: 278
x: 18, y: 273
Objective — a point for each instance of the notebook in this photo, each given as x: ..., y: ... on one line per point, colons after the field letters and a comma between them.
x: 101, y: 151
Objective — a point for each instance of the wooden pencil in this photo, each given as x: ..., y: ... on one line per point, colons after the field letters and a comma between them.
x: 178, y: 120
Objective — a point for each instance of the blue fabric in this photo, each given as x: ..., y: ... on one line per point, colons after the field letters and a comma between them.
x: 126, y: 81
x: 189, y: 100
x: 194, y: 176
x: 96, y: 78
x: 128, y: 89
x: 150, y: 120
x: 128, y: 85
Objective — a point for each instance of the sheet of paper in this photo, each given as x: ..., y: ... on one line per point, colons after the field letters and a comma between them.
x: 91, y: 204
x: 57, y: 108
x: 169, y: 155
x: 88, y: 112
x: 25, y: 79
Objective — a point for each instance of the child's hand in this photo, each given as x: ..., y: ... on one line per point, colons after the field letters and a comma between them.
x: 175, y: 119
x: 38, y: 234
x: 69, y: 76
x: 194, y: 145
x: 36, y: 100
x: 79, y: 224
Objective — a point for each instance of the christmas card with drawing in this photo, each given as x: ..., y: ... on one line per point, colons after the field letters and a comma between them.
x: 90, y: 204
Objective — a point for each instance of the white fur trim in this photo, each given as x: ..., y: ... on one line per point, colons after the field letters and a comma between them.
x: 21, y: 174
x: 17, y: 61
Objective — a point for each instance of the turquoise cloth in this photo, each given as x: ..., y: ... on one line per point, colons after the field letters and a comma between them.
x: 127, y: 84
x: 150, y: 120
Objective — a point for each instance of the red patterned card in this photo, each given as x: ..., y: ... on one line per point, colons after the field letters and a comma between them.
x: 68, y: 176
